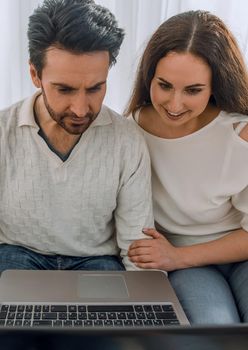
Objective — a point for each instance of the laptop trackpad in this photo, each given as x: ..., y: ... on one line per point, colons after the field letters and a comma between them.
x: 102, y: 287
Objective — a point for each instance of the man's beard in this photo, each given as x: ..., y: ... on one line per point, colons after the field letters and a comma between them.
x: 60, y: 119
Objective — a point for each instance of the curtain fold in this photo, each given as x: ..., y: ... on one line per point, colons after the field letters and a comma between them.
x: 139, y: 18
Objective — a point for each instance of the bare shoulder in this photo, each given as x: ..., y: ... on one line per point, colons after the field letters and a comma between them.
x: 244, y: 133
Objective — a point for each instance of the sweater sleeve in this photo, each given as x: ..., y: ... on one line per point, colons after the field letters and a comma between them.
x: 134, y: 206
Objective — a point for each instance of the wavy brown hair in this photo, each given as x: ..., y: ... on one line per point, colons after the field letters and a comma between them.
x: 204, y: 35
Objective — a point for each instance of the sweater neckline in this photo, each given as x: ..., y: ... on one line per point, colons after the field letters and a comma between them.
x: 182, y: 138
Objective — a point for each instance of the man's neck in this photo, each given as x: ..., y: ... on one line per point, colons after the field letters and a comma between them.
x: 57, y: 137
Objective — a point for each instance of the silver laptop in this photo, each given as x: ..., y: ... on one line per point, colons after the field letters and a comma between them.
x: 93, y: 299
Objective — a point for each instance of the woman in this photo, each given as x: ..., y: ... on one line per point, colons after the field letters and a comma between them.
x: 190, y: 101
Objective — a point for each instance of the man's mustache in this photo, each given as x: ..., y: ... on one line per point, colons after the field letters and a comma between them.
x: 74, y: 115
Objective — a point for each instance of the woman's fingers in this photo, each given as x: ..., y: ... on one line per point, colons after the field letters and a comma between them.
x: 152, y: 233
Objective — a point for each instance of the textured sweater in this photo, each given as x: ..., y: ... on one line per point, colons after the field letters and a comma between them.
x: 94, y: 203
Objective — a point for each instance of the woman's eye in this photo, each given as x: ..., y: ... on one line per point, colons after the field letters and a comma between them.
x: 164, y: 86
x: 193, y: 91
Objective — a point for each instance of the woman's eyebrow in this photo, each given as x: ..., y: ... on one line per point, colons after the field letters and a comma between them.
x: 187, y: 87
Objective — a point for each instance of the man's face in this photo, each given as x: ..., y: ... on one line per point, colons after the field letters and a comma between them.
x: 73, y: 87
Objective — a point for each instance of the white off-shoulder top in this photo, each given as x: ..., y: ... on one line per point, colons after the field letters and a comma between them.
x: 200, y: 181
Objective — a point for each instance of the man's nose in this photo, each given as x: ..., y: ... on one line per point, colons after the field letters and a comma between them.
x: 80, y: 105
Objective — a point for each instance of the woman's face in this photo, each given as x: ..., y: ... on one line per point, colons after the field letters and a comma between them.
x: 181, y: 88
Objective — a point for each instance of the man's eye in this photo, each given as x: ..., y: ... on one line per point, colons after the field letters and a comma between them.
x: 94, y: 89
x: 64, y: 90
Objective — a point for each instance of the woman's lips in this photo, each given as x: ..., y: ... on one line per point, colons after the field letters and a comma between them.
x: 174, y: 116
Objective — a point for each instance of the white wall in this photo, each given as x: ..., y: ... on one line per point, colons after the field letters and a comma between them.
x: 139, y: 18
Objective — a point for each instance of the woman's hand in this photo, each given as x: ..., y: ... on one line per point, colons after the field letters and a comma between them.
x: 155, y: 253
x: 159, y: 253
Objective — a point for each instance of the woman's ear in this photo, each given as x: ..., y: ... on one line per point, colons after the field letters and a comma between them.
x: 34, y: 75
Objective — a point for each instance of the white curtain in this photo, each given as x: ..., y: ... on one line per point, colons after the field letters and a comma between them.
x: 139, y: 18
x: 15, y: 82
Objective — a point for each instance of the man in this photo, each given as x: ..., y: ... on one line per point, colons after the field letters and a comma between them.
x: 75, y: 176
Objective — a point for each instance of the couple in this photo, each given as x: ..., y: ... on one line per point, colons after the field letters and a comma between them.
x: 75, y: 176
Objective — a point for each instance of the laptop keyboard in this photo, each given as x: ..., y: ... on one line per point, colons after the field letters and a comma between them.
x: 137, y: 315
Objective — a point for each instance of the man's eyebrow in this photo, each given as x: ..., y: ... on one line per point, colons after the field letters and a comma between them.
x: 63, y: 85
x: 187, y: 87
x: 97, y: 84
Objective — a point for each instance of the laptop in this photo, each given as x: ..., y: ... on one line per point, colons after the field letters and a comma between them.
x: 170, y: 338
x: 92, y: 299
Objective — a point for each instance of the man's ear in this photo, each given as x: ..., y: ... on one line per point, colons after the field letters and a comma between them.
x: 34, y: 75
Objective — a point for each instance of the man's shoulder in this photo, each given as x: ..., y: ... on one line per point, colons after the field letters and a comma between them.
x: 122, y: 125
x: 114, y: 117
x: 10, y: 113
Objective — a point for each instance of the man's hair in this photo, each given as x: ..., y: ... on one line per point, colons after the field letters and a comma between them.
x: 203, y: 35
x: 79, y: 26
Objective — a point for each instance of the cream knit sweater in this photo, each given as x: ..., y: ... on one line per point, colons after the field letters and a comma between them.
x: 94, y: 203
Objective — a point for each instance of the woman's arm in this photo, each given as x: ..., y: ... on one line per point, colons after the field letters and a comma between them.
x: 159, y: 253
